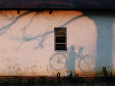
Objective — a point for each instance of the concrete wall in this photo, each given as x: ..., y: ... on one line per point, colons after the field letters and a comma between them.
x: 27, y: 43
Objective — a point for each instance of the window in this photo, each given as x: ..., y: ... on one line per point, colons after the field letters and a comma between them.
x: 60, y: 38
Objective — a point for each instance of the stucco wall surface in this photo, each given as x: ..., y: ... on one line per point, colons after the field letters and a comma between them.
x: 27, y: 43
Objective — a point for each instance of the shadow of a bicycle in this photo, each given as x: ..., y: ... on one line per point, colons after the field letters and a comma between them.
x: 60, y: 61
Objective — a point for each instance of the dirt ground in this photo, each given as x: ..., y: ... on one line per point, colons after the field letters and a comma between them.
x: 56, y: 81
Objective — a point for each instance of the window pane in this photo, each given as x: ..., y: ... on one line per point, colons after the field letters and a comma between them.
x: 60, y: 39
x: 61, y: 47
x: 60, y: 31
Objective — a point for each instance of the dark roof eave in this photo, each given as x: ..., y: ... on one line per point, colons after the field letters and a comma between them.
x: 61, y: 9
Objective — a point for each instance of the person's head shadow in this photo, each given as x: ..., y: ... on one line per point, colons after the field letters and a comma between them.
x: 72, y: 48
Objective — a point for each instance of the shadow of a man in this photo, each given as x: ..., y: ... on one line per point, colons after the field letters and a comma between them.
x: 71, y: 61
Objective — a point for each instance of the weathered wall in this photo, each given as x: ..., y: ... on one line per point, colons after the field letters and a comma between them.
x: 27, y: 42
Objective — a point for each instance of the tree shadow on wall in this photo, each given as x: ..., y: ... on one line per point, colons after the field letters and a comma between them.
x: 40, y: 38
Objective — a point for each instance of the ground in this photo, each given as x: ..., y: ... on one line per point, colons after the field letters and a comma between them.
x: 56, y: 81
